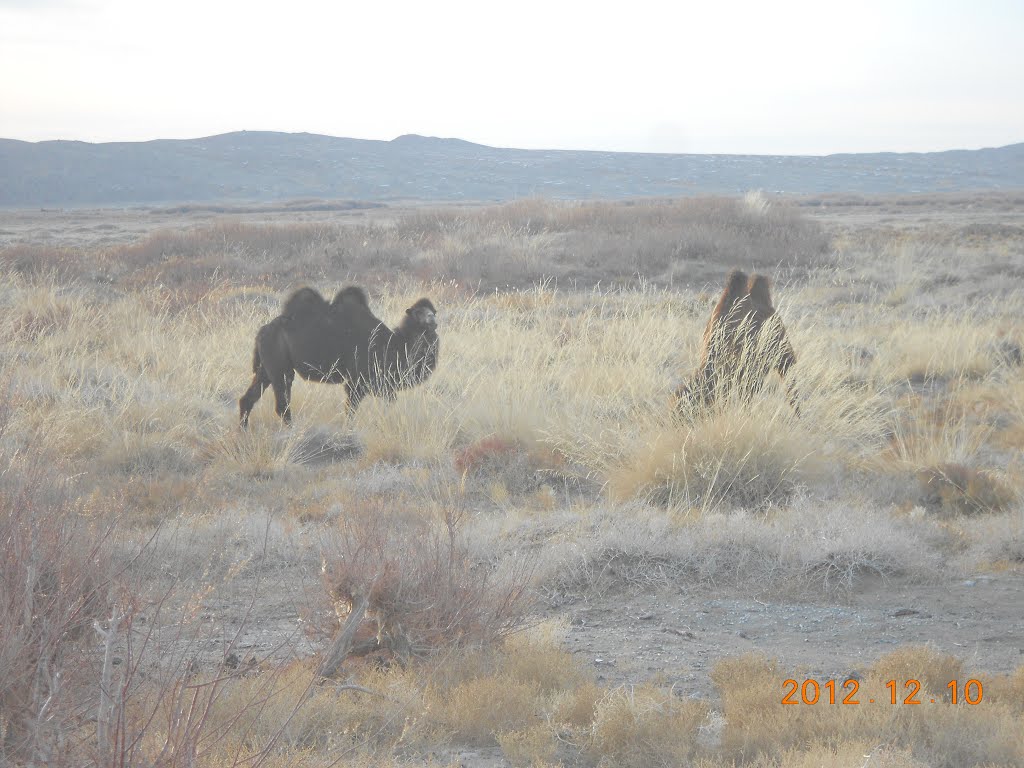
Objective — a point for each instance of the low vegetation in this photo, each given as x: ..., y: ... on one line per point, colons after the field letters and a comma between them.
x: 349, y: 590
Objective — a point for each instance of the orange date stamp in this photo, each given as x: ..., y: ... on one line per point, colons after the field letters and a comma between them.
x: 830, y: 692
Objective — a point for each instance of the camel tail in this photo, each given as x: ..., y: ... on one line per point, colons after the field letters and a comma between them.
x: 257, y: 364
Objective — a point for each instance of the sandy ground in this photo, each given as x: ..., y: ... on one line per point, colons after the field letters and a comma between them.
x: 679, y: 636
x: 675, y: 637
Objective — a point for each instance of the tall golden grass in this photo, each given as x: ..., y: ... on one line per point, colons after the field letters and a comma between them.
x: 550, y: 429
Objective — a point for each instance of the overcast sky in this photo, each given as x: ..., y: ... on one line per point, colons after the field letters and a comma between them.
x: 765, y: 77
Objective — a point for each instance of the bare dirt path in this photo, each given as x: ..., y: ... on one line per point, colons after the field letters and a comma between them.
x: 675, y: 637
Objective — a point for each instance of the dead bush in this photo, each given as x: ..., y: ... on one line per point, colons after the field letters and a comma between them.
x: 39, y: 260
x: 1008, y: 689
x: 486, y: 455
x: 54, y: 582
x: 645, y: 726
x: 956, y: 489
x: 534, y: 746
x: 417, y: 584
x: 931, y: 668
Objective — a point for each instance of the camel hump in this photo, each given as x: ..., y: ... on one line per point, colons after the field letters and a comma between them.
x: 760, y: 291
x: 423, y: 304
x: 305, y: 301
x: 736, y: 283
x: 735, y: 289
x: 351, y: 294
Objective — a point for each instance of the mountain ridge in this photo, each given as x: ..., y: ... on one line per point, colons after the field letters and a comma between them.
x: 263, y: 166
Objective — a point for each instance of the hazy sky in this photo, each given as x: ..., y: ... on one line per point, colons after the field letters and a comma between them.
x: 776, y: 76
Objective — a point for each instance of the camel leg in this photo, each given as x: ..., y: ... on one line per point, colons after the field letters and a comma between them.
x: 704, y: 390
x: 283, y: 394
x: 794, y: 398
x: 289, y: 377
x: 786, y: 363
x: 356, y: 392
x: 252, y: 395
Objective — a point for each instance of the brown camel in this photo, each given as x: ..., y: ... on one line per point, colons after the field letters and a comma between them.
x: 743, y: 342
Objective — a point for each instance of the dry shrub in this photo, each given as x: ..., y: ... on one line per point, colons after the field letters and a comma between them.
x: 496, y: 695
x: 942, y: 346
x: 752, y: 450
x: 55, y: 576
x: 749, y: 457
x: 534, y: 745
x: 508, y: 466
x: 751, y: 690
x: 422, y: 586
x: 946, y: 736
x: 39, y: 260
x: 576, y: 707
x: 955, y: 489
x: 231, y: 238
x: 478, y: 709
x: 536, y: 657
x: 262, y: 451
x: 1008, y: 689
x: 132, y: 698
x: 515, y: 244
x: 41, y: 311
x: 486, y: 455
x: 154, y: 499
x: 645, y: 726
x: 507, y: 692
x: 284, y: 712
x: 930, y: 667
x: 942, y: 445
x: 827, y: 548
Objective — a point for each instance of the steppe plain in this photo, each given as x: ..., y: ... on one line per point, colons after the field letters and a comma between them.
x: 557, y: 570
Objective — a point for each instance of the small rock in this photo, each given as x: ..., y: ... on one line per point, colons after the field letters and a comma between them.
x: 683, y: 633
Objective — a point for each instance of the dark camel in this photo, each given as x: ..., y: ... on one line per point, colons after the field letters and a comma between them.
x: 340, y: 342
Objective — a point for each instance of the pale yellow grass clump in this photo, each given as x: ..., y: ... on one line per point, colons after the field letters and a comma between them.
x: 501, y: 696
x: 548, y: 429
x: 942, y: 345
x: 944, y: 451
x: 760, y: 452
x: 642, y: 726
x: 132, y: 387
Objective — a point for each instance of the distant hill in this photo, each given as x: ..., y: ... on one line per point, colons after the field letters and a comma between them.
x: 259, y: 166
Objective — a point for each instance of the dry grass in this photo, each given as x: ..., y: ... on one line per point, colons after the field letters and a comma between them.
x: 516, y: 244
x: 645, y: 726
x: 758, y: 726
x: 56, y: 581
x: 547, y: 437
x: 422, y: 588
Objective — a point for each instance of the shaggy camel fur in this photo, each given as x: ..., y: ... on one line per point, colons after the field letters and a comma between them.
x: 743, y: 342
x: 340, y: 343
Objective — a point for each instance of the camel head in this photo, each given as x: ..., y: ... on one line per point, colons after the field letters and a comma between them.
x: 421, y: 317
